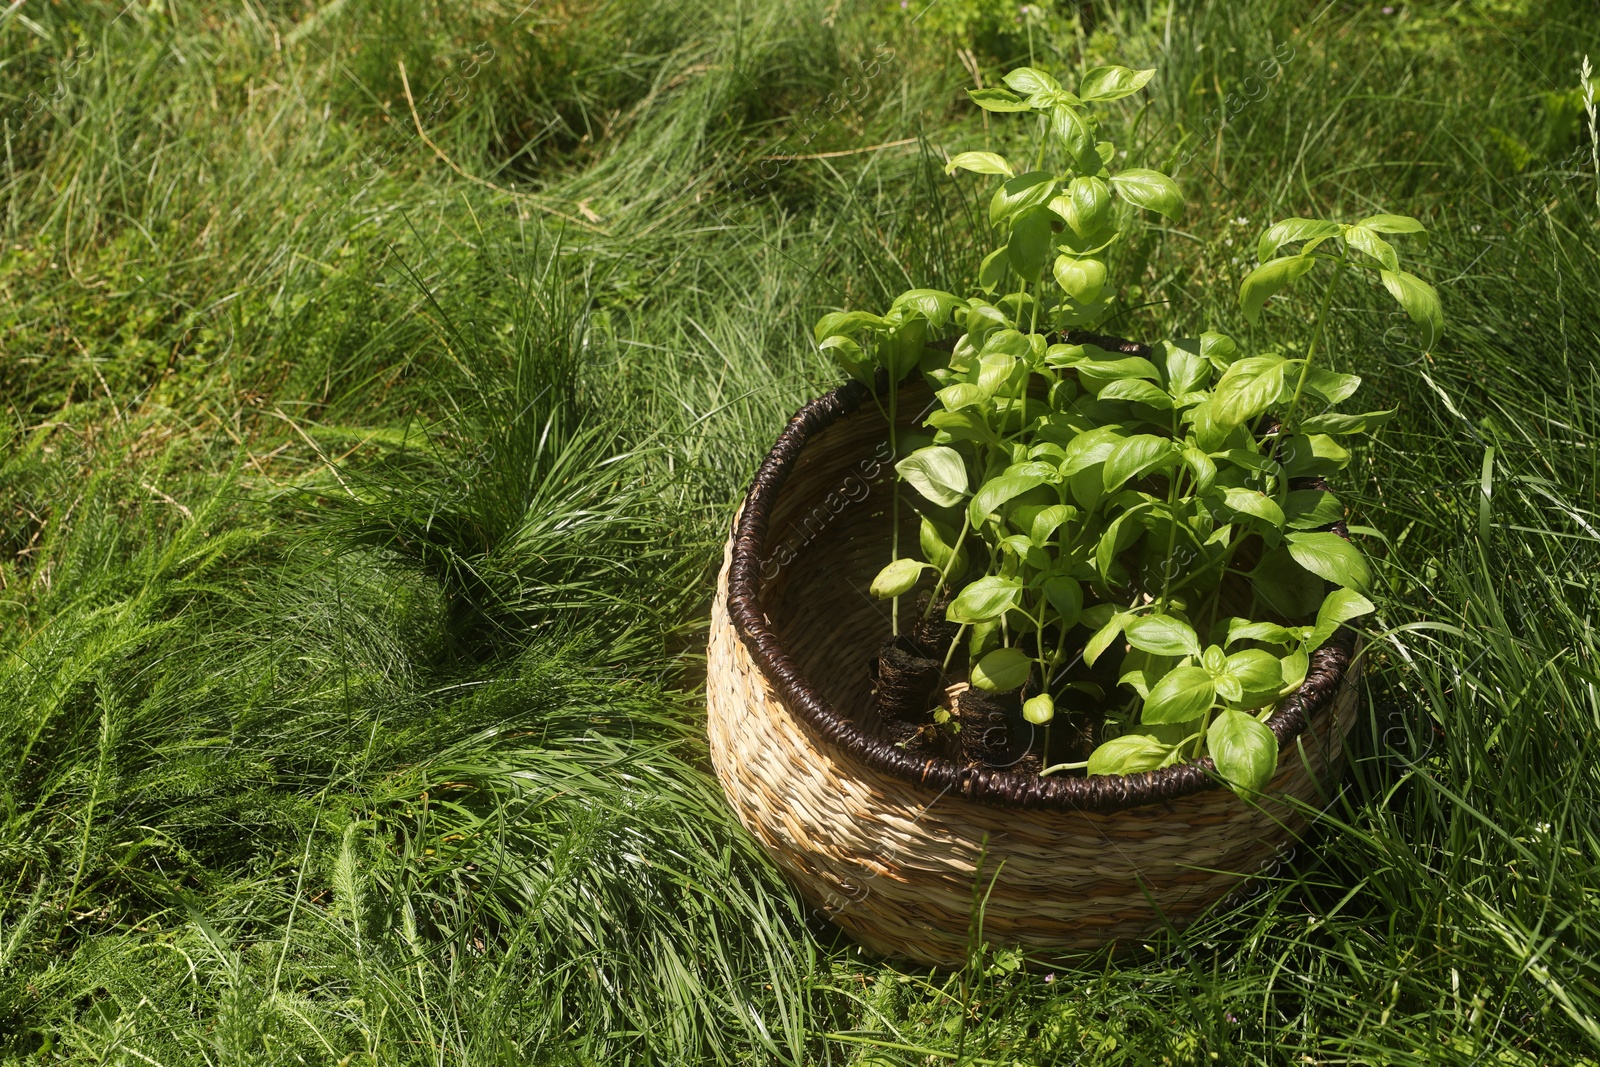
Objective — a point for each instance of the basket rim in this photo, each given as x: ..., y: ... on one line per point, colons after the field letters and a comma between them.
x: 1002, y: 787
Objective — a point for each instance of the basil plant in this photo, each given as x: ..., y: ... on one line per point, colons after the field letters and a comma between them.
x: 1090, y: 517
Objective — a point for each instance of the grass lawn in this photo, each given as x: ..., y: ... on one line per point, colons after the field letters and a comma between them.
x: 361, y: 492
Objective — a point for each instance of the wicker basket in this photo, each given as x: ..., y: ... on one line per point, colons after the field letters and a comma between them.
x: 889, y: 847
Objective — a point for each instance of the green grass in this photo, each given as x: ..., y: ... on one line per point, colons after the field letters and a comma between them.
x: 358, y: 523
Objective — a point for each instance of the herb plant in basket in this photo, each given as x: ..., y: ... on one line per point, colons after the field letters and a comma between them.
x: 1130, y: 548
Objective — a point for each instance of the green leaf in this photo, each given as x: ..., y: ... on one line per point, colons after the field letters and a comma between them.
x: 1307, y: 509
x: 998, y: 100
x: 1065, y: 596
x: 1086, y: 207
x: 937, y: 472
x: 979, y: 163
x: 846, y: 323
x: 1258, y: 674
x: 1257, y: 505
x: 1218, y: 349
x: 1101, y: 639
x: 1020, y: 194
x: 996, y: 491
x: 1331, y: 557
x: 1089, y: 448
x: 961, y: 395
x: 1294, y: 667
x: 987, y: 598
x: 1138, y: 391
x: 1244, y: 750
x: 1039, y: 710
x: 1002, y: 670
x: 1128, y: 754
x: 966, y: 425
x: 1333, y: 422
x: 1045, y: 522
x: 937, y: 539
x: 1294, y: 231
x: 1284, y: 586
x: 897, y: 578
x: 848, y: 355
x: 938, y: 306
x: 1201, y: 467
x: 1187, y: 369
x: 1073, y: 129
x: 1082, y: 279
x: 1330, y: 386
x: 1247, y: 389
x: 1113, y: 83
x: 1030, y: 80
x: 1341, y: 606
x: 1263, y: 283
x: 1392, y: 224
x: 1136, y: 456
x: 901, y: 350
x: 1094, y: 374
x: 1029, y: 243
x: 1420, y: 300
x: 1367, y: 241
x: 1149, y: 189
x: 1183, y: 693
x: 1270, y: 632
x: 1163, y: 635
x: 992, y: 271
x: 1315, y: 453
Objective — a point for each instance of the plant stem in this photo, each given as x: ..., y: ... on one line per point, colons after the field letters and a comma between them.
x: 1291, y: 421
x: 951, y: 651
x: 1064, y: 767
x: 894, y: 497
x: 944, y: 575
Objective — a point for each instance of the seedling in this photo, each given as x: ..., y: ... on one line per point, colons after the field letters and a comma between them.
x: 1081, y: 505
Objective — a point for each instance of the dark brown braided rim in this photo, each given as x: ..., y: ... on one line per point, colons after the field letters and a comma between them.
x: 1102, y: 793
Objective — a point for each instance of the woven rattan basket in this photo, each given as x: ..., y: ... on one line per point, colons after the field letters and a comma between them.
x: 889, y: 847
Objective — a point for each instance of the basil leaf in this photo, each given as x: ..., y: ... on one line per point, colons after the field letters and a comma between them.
x: 987, y: 598
x: 1284, y: 586
x: 1420, y: 300
x: 1330, y: 557
x: 1367, y: 241
x: 1333, y: 422
x: 1163, y: 635
x: 1065, y: 595
x: 1263, y: 283
x: 1002, y: 670
x: 1294, y: 231
x: 998, y: 100
x: 1183, y: 693
x: 1113, y: 83
x: 1256, y: 505
x: 1244, y: 750
x: 897, y: 578
x: 1149, y: 189
x: 1108, y: 631
x: 1307, y: 509
x: 937, y: 472
x: 996, y: 491
x: 979, y: 163
x: 1341, y: 606
x: 1136, y: 456
x: 1128, y: 754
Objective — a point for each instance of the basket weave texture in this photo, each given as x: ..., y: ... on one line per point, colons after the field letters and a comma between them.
x: 891, y: 849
